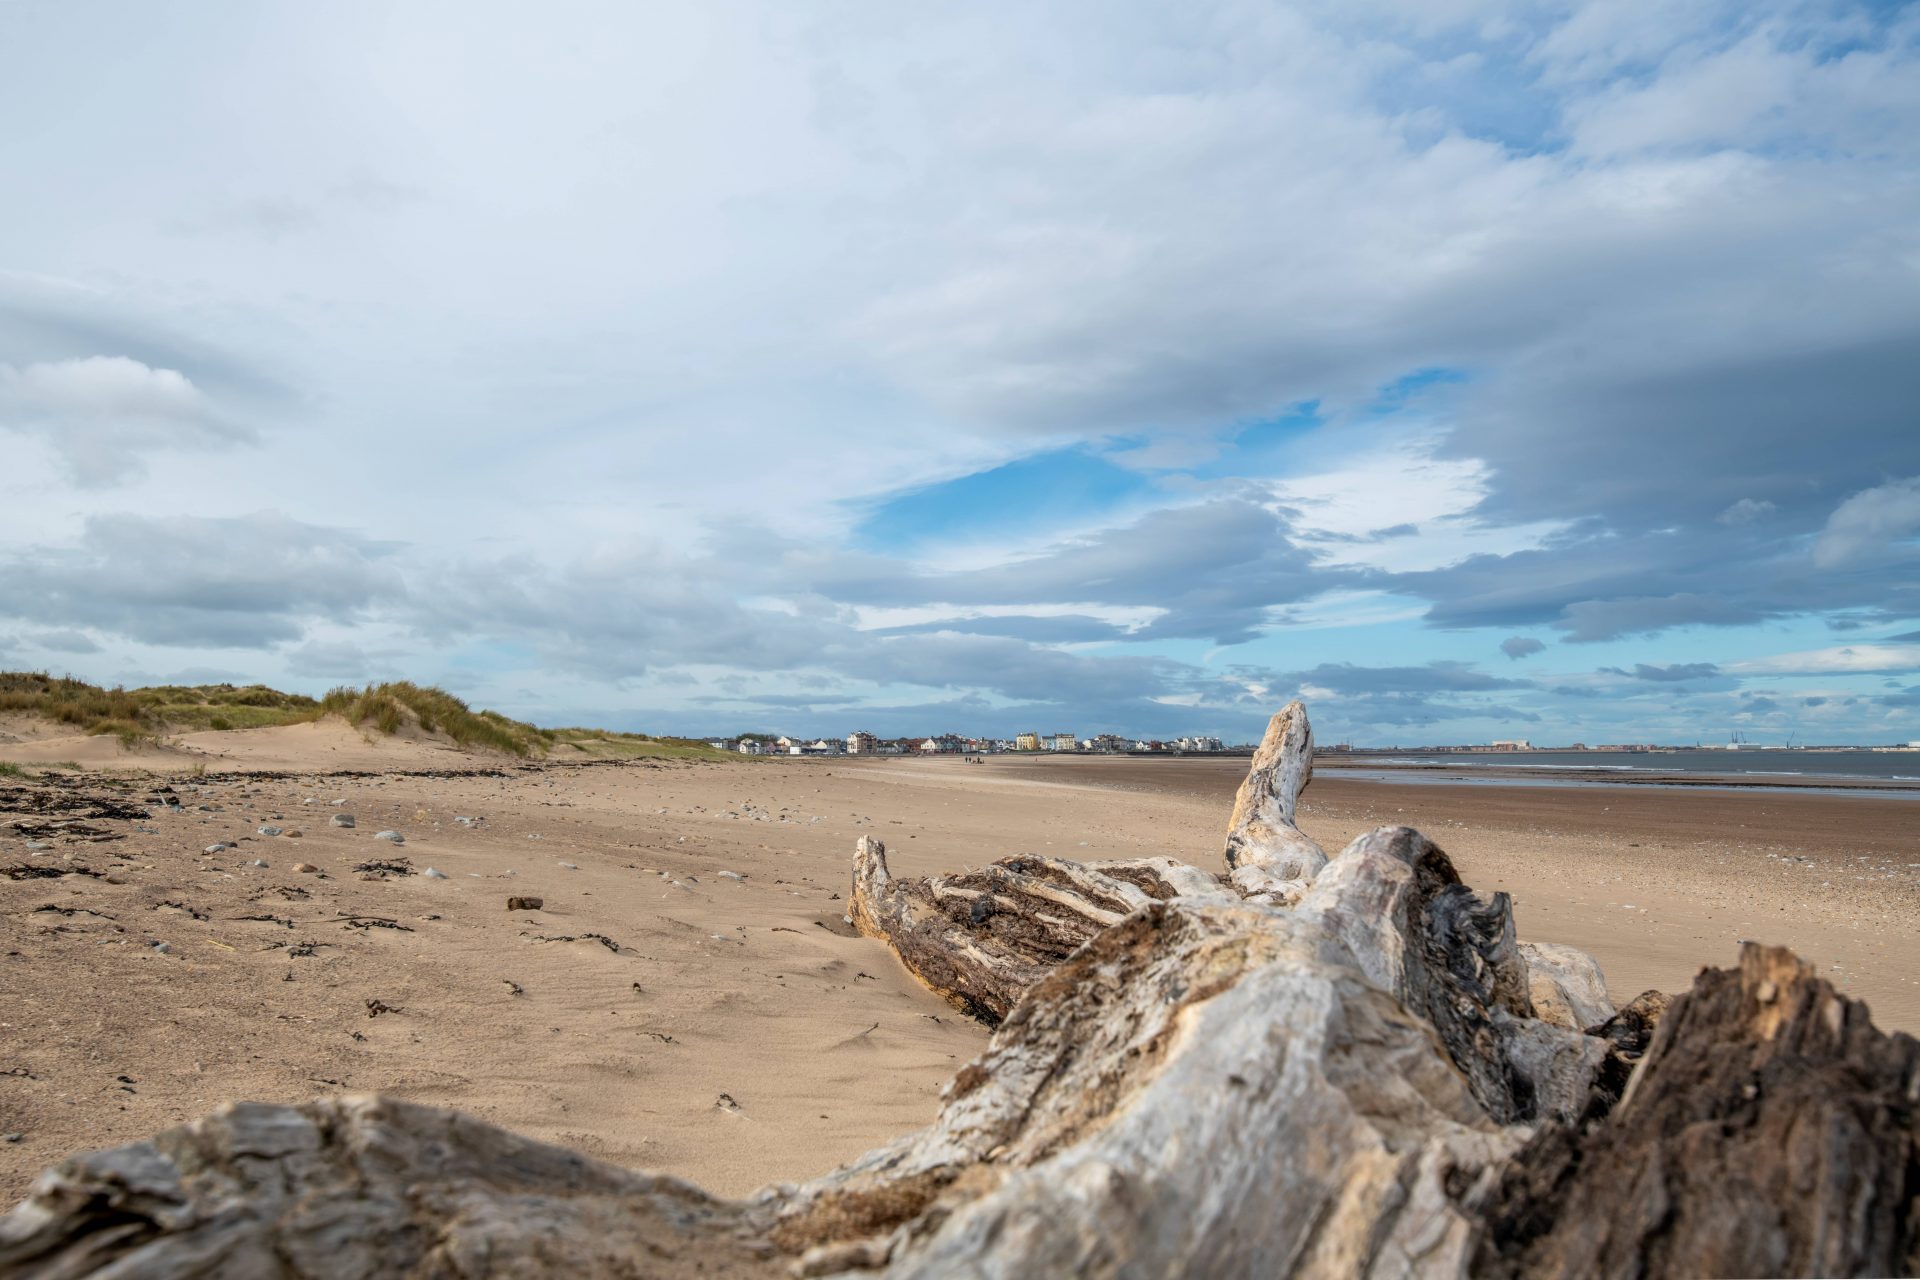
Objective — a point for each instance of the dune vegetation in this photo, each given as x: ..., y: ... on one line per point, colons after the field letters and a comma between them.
x: 146, y: 714
x: 135, y: 715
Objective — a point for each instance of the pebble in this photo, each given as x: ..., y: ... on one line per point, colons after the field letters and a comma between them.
x: 258, y: 862
x: 161, y: 947
x: 392, y: 837
x: 571, y: 866
x: 38, y: 846
x: 270, y: 831
x: 432, y: 874
x: 341, y: 820
x: 525, y: 904
x: 305, y: 868
x: 216, y: 848
x: 733, y: 875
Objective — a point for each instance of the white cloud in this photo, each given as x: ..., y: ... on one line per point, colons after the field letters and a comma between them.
x: 1838, y: 660
x: 101, y: 413
x: 1868, y: 522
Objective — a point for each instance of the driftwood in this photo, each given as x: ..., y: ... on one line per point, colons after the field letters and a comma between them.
x: 1266, y: 851
x: 1343, y: 1069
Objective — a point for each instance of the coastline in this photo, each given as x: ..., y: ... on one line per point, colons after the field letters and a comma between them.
x: 1577, y: 776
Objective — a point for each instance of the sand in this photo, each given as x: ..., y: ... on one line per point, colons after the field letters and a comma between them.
x: 660, y: 1012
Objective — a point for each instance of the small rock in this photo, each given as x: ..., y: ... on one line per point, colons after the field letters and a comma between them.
x: 258, y: 862
x: 733, y: 875
x: 431, y: 874
x: 392, y: 837
x: 216, y: 848
x: 305, y: 868
x: 571, y: 866
x: 162, y: 948
x: 38, y: 846
x: 270, y: 831
x: 341, y: 820
x: 525, y: 904
x: 11, y: 1137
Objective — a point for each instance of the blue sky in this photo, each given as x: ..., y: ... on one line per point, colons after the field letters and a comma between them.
x: 1471, y: 369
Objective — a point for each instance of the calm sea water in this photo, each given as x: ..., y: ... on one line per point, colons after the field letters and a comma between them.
x: 1886, y: 765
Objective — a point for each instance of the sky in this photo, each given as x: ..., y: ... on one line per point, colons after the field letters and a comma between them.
x: 1471, y: 370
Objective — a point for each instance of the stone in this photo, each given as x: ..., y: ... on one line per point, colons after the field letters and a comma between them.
x: 269, y: 831
x: 216, y: 848
x: 525, y: 904
x: 305, y: 868
x: 341, y: 820
x: 257, y: 862
x: 431, y: 874
x: 391, y: 837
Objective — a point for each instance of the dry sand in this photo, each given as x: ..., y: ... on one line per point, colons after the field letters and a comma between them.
x: 659, y: 1012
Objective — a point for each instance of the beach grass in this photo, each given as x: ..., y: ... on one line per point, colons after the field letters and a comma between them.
x: 138, y: 716
x: 394, y: 705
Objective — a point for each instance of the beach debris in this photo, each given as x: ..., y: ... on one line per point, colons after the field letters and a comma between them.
x: 433, y: 874
x: 341, y: 820
x: 523, y: 903
x: 391, y: 837
x: 514, y: 988
x: 377, y: 1007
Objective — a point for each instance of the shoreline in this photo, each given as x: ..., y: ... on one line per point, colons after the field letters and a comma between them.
x: 1571, y: 777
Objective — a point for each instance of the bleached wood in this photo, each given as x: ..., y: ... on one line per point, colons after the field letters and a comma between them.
x: 1266, y: 851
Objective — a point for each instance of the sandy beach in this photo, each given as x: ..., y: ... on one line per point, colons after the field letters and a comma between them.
x: 687, y: 998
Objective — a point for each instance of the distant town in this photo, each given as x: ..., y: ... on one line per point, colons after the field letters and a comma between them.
x: 866, y: 744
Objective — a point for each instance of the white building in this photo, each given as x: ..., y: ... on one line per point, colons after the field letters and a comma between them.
x: 862, y: 743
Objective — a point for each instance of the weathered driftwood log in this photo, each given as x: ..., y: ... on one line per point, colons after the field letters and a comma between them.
x: 1394, y: 900
x: 1207, y: 1088
x: 366, y: 1187
x: 1566, y: 986
x: 1771, y: 1130
x: 1266, y: 850
x: 981, y: 938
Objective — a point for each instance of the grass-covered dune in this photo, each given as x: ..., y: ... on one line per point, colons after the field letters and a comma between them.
x: 147, y: 714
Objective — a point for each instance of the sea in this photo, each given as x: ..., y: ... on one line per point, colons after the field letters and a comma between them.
x: 1815, y: 766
